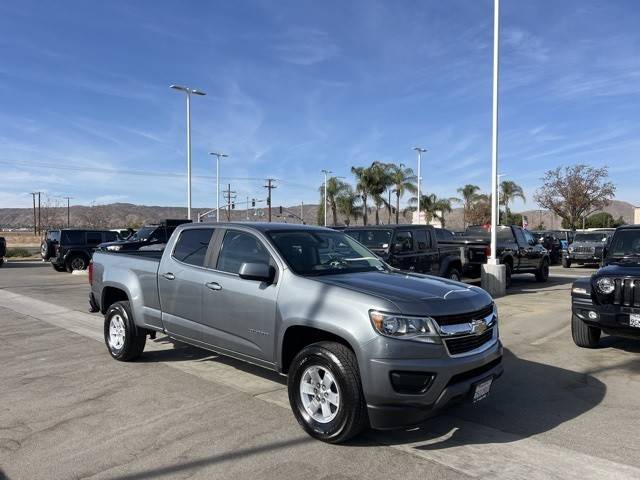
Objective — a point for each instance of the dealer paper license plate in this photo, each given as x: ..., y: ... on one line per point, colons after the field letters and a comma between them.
x: 482, y: 389
x: 634, y: 320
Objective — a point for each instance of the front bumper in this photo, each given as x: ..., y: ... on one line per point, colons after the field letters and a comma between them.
x: 612, y: 319
x: 585, y: 257
x: 453, y: 379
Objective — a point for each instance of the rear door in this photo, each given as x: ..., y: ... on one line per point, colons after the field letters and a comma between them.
x: 427, y: 260
x: 240, y: 314
x: 181, y: 277
x: 404, y: 253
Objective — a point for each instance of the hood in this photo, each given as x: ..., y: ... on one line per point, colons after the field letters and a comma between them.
x: 412, y: 293
x: 624, y: 270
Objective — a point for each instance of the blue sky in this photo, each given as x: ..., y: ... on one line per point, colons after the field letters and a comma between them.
x: 297, y: 86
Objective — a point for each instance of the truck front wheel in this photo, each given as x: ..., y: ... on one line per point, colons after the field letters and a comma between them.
x: 583, y: 335
x: 124, y: 340
x: 325, y: 392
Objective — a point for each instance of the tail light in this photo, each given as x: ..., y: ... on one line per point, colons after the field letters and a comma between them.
x: 90, y: 273
x: 487, y: 251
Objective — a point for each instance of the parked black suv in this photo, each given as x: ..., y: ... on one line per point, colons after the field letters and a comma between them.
x: 146, y: 236
x: 74, y: 250
x: 3, y: 250
x: 587, y: 248
x: 517, y: 249
x: 609, y: 301
x: 48, y: 246
x: 411, y: 248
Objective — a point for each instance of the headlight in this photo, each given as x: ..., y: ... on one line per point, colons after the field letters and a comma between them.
x: 405, y: 328
x: 571, y: 249
x: 605, y: 285
x: 114, y: 248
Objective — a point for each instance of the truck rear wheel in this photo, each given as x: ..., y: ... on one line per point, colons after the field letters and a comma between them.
x: 124, y: 340
x: 76, y: 262
x: 566, y: 263
x: 542, y: 274
x: 583, y: 335
x: 454, y: 274
x: 325, y: 392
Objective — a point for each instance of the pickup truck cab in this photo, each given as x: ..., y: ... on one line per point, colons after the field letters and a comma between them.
x: 412, y: 248
x: 517, y: 249
x: 362, y: 344
x: 609, y: 300
x: 147, y: 236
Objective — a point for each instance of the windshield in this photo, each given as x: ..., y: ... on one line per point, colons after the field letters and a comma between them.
x: 142, y: 234
x: 324, y: 253
x: 375, y: 239
x: 591, y: 237
x: 625, y: 243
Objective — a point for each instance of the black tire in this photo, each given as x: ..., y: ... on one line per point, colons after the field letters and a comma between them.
x: 44, y: 250
x: 1, y: 262
x: 583, y: 335
x: 542, y: 274
x: 76, y: 262
x: 340, y: 361
x: 59, y: 268
x: 134, y: 339
x: 454, y: 274
x: 509, y: 272
x: 566, y: 263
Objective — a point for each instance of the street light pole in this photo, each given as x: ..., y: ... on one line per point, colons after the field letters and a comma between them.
x: 420, y: 152
x: 218, y: 157
x: 189, y: 92
x: 493, y: 259
x: 325, y: 195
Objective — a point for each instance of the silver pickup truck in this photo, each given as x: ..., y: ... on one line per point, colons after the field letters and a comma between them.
x: 362, y: 344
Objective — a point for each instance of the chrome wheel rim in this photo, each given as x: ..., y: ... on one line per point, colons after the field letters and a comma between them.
x: 320, y: 394
x: 116, y: 332
x: 77, y: 264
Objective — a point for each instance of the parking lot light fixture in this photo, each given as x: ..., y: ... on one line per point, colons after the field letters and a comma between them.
x: 188, y: 91
x: 218, y: 157
x: 326, y: 172
x: 420, y: 151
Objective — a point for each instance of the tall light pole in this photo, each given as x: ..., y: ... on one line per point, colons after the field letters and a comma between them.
x: 325, y: 194
x: 68, y: 210
x: 189, y: 92
x: 420, y: 152
x: 493, y: 259
x: 218, y: 157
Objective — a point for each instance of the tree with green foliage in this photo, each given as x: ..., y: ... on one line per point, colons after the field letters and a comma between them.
x: 347, y: 203
x: 403, y: 180
x: 469, y: 195
x: 335, y: 187
x: 509, y: 191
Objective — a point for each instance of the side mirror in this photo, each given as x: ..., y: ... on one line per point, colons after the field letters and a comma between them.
x: 396, y: 247
x: 262, y: 272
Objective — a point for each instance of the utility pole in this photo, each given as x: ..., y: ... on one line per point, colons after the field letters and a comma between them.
x: 68, y: 209
x: 228, y: 192
x: 218, y: 157
x: 269, y: 186
x: 324, y: 205
x: 35, y: 223
x: 39, y: 215
x: 302, y: 212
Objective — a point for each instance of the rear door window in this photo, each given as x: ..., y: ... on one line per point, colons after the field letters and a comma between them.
x: 110, y: 236
x: 422, y: 240
x: 94, y: 238
x: 73, y: 237
x: 191, y: 247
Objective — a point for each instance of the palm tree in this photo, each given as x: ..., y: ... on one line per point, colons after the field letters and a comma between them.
x: 470, y: 195
x: 510, y: 191
x: 432, y: 207
x: 334, y: 188
x: 371, y: 182
x: 403, y: 180
x: 347, y: 203
x: 443, y: 205
x: 363, y: 188
x: 381, y: 181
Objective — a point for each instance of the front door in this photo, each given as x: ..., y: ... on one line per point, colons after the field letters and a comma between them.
x: 238, y: 314
x: 180, y: 279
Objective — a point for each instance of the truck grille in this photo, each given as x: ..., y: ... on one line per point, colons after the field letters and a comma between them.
x: 464, y: 317
x: 459, y: 345
x: 584, y: 249
x: 627, y: 292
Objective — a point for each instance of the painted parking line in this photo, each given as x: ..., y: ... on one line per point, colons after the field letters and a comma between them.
x: 468, y: 447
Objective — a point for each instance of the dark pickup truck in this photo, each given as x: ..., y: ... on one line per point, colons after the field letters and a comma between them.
x: 412, y: 248
x: 147, y: 236
x: 517, y: 249
x: 609, y: 300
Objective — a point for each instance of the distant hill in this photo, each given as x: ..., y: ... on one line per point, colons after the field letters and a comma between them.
x: 122, y: 215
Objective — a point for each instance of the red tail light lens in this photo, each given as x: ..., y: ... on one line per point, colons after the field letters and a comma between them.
x: 90, y: 273
x: 487, y: 251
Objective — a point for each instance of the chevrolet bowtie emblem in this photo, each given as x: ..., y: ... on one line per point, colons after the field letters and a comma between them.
x: 478, y: 327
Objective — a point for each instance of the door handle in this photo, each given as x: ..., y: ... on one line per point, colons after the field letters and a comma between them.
x: 213, y: 286
x: 169, y: 276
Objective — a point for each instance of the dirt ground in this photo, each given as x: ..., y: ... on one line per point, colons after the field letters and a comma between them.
x: 21, y: 239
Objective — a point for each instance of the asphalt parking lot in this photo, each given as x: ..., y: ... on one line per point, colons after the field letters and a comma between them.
x: 69, y: 411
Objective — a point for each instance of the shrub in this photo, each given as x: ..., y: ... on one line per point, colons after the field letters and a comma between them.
x: 18, y: 252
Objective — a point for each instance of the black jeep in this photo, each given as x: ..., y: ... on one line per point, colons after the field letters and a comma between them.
x: 609, y: 301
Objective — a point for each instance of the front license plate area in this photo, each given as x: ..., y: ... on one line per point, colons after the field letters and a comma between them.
x: 634, y: 320
x: 482, y: 389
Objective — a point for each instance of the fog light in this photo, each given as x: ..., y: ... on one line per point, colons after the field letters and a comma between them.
x: 593, y: 315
